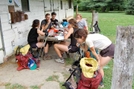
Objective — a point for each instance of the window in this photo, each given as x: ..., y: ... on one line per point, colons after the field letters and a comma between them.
x: 25, y: 5
x: 61, y: 5
x: 70, y: 3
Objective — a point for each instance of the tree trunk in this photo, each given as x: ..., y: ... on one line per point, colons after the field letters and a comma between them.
x: 77, y: 9
x: 123, y: 69
x: 94, y: 19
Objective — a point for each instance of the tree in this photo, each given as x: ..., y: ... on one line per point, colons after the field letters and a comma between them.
x: 76, y: 4
x: 130, y: 7
x: 102, y: 5
x: 123, y: 69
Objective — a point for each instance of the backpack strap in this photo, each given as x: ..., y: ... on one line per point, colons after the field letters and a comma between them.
x: 71, y: 74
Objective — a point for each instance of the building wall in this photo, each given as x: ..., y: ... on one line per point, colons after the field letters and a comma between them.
x: 16, y: 34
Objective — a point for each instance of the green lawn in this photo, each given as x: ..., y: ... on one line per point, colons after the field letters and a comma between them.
x: 108, y: 23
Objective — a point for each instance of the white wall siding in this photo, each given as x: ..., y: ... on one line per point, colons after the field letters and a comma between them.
x: 3, y: 8
x: 16, y: 34
x: 1, y: 56
x: 69, y: 12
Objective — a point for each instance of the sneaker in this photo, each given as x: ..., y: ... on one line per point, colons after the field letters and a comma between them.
x: 60, y: 60
x: 101, y: 85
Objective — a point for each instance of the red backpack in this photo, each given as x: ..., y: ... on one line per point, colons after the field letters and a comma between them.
x: 89, y: 83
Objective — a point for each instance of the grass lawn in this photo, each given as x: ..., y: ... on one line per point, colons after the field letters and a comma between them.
x: 108, y: 23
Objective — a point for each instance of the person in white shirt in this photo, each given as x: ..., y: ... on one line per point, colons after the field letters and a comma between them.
x: 96, y: 41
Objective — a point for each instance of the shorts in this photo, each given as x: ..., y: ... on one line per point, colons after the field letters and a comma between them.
x: 73, y: 48
x: 33, y: 45
x: 109, y: 51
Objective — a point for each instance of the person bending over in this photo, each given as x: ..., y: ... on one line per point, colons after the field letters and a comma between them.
x: 97, y: 41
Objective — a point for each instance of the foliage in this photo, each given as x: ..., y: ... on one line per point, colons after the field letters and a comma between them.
x: 53, y: 78
x: 130, y: 7
x: 35, y: 87
x: 14, y: 86
x: 101, y: 5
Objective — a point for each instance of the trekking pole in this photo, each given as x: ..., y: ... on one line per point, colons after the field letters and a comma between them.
x: 40, y: 51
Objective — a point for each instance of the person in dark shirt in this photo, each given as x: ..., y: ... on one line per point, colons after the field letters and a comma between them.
x: 33, y: 35
x: 53, y: 19
x: 67, y: 47
x: 46, y: 24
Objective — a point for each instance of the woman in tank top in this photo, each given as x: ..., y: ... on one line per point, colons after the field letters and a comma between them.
x: 60, y: 48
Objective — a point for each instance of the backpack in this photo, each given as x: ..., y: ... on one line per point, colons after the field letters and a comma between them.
x: 90, y: 76
x: 22, y: 60
x: 96, y: 27
x: 90, y: 83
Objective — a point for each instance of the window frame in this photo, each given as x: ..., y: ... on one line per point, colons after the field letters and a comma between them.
x: 70, y: 4
x: 24, y: 8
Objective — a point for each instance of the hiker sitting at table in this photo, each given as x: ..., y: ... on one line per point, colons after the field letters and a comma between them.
x: 33, y: 35
x: 45, y: 26
x: 97, y: 41
x: 53, y: 19
x: 67, y: 47
x: 81, y: 22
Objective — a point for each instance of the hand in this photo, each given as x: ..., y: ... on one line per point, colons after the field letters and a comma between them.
x: 49, y: 21
x: 66, y: 29
x: 52, y: 26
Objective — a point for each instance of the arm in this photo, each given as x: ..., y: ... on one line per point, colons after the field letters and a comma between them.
x: 45, y: 25
x: 85, y: 25
x: 66, y: 35
x: 90, y: 44
x: 40, y: 32
x: 95, y: 54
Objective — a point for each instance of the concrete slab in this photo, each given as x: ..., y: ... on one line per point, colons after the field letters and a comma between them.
x: 38, y: 77
x: 2, y: 87
x: 51, y: 85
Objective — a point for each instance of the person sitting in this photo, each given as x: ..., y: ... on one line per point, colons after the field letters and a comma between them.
x: 53, y: 19
x: 67, y: 47
x: 46, y: 24
x: 33, y: 35
x: 81, y: 22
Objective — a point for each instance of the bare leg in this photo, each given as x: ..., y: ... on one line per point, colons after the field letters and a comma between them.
x: 46, y: 48
x: 59, y: 47
x: 39, y: 44
x: 103, y: 62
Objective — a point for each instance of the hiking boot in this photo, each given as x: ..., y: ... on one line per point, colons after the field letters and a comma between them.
x: 60, y: 60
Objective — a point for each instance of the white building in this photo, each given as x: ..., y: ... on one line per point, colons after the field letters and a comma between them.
x: 14, y: 33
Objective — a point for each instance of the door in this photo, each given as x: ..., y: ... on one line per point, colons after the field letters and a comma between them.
x: 47, y: 6
x: 62, y: 10
x: 1, y: 44
x: 56, y: 6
